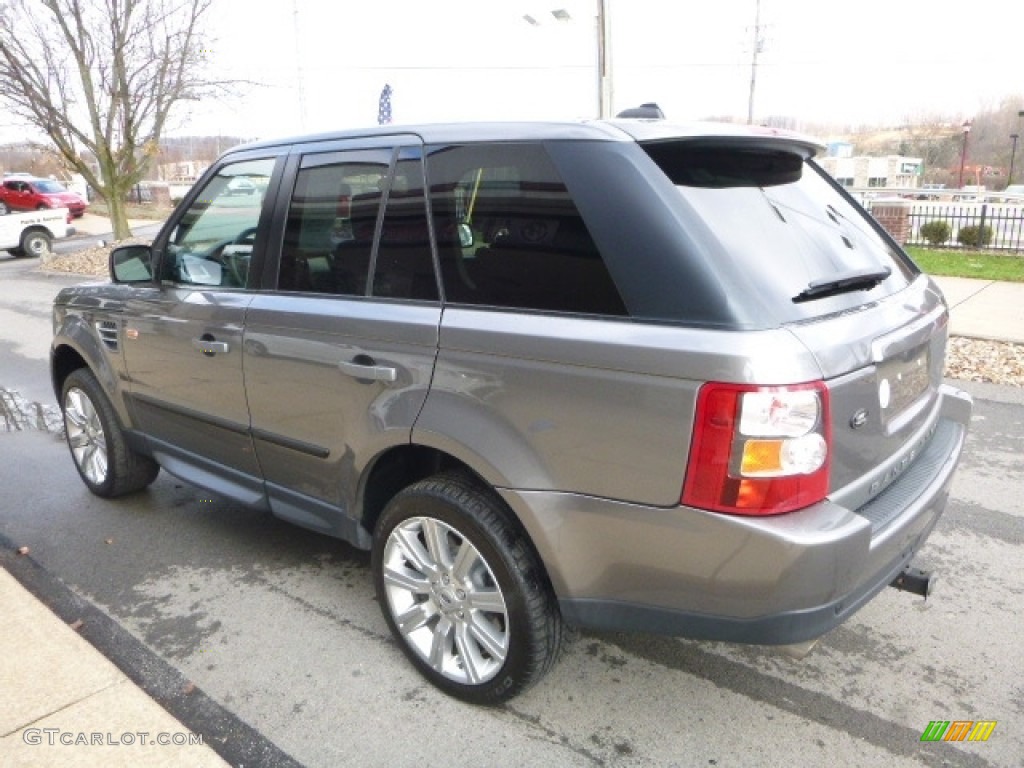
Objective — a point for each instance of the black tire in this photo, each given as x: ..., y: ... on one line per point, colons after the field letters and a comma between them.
x: 526, y: 629
x: 4, y: 210
x: 102, y: 456
x: 34, y: 243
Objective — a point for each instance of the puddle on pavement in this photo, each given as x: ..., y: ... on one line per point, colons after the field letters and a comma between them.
x: 19, y: 415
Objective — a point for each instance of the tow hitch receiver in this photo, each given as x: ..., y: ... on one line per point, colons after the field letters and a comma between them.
x: 914, y: 580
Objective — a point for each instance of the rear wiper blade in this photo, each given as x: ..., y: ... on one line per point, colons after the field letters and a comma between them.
x: 844, y: 282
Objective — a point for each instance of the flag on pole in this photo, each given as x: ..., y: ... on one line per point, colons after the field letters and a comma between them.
x: 384, y: 111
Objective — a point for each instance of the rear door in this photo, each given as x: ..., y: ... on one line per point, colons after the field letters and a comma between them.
x: 340, y: 350
x: 543, y: 381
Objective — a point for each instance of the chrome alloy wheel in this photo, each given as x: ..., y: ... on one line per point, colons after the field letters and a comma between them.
x: 85, y: 435
x: 445, y: 600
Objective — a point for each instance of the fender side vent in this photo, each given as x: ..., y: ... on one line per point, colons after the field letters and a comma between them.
x: 107, y: 330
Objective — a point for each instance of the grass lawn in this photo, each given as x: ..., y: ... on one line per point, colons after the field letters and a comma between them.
x: 983, y: 265
x: 156, y: 212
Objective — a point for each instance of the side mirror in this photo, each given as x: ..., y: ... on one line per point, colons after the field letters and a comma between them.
x: 131, y: 264
x: 465, y: 235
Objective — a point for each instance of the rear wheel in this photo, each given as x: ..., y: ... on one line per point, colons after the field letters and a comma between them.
x: 34, y: 244
x: 463, y: 591
x: 102, y: 456
x: 4, y: 210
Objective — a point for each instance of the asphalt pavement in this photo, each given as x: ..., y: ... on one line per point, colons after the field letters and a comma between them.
x: 63, y: 703
x: 57, y: 691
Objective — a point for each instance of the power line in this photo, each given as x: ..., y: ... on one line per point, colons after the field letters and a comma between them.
x: 465, y: 68
x: 757, y: 48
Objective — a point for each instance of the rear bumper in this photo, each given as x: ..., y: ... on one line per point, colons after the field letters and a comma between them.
x: 774, y: 580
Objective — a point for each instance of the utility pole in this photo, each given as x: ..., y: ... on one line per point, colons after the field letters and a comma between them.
x: 604, y: 65
x: 758, y: 46
x: 298, y: 65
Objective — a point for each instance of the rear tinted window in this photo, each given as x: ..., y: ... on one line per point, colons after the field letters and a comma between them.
x: 782, y: 223
x: 510, y: 235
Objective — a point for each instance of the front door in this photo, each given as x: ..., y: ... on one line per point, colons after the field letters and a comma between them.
x: 183, y: 344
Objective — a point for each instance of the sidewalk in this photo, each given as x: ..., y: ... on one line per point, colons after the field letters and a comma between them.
x: 62, y: 703
x: 985, y: 309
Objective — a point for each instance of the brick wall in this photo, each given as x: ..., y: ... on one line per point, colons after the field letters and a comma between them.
x: 894, y: 216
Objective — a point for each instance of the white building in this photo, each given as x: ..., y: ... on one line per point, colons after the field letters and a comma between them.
x: 866, y: 172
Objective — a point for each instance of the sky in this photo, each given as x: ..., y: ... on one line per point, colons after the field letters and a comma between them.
x: 312, y: 65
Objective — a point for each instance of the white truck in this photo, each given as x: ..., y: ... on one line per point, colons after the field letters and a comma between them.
x: 32, y: 234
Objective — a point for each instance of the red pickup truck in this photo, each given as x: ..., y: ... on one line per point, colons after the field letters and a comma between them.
x: 29, y: 194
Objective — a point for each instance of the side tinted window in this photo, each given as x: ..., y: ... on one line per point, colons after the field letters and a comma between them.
x: 331, y: 222
x: 213, y: 240
x: 509, y: 234
x: 331, y: 241
x: 404, y: 265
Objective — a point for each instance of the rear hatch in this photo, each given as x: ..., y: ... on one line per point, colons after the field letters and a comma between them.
x: 803, y: 256
x: 884, y: 369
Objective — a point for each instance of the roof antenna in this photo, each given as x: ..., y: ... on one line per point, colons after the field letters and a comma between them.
x: 650, y: 111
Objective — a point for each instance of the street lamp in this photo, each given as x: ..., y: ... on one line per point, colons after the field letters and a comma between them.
x: 963, y: 152
x: 1014, y: 136
x: 604, y: 63
x: 1013, y: 155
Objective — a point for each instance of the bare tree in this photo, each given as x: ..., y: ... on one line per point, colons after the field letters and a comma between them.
x: 935, y: 138
x: 101, y: 77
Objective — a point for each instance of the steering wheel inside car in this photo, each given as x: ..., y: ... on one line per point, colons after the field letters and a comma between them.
x: 245, y: 237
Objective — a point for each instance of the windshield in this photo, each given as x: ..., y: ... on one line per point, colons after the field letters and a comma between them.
x: 49, y: 187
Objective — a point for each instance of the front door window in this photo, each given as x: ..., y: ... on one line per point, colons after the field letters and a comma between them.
x: 213, y: 241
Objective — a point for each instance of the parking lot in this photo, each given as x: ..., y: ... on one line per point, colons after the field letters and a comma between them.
x: 279, y: 627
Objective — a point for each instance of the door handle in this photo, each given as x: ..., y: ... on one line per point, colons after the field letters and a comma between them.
x: 364, y: 368
x: 209, y: 347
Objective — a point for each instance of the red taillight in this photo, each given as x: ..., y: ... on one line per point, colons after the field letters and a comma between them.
x: 759, y: 450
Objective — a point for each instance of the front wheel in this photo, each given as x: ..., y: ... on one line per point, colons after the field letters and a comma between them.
x: 102, y: 456
x: 463, y: 591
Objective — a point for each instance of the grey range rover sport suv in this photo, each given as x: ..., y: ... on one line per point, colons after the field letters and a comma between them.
x: 623, y: 375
